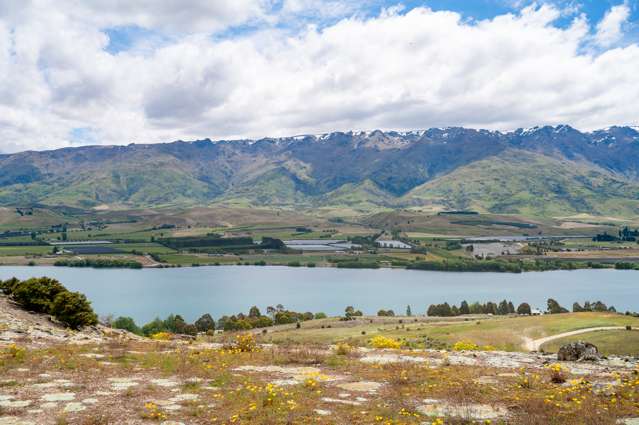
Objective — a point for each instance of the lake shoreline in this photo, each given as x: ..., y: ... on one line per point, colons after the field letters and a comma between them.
x: 193, y: 291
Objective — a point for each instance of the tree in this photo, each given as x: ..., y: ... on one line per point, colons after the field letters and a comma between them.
x: 270, y: 310
x: 179, y: 325
x: 524, y: 308
x: 409, y: 313
x: 511, y: 307
x: 476, y: 308
x: 577, y: 308
x: 254, y: 312
x: 126, y: 323
x: 320, y: 315
x: 349, y: 312
x: 222, y: 321
x: 189, y: 329
x: 205, y: 323
x: 554, y: 307
x: 262, y: 322
x: 153, y: 327
x: 502, y: 308
x: 599, y: 306
x: 73, y: 309
x: 463, y: 308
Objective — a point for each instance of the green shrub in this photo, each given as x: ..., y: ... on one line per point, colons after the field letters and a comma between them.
x: 153, y: 327
x: 128, y: 324
x: 9, y: 285
x: 37, y: 294
x: 73, y: 309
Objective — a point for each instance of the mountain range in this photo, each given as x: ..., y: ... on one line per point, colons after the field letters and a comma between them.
x: 540, y: 171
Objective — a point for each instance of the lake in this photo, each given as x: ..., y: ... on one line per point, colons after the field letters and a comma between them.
x: 145, y: 294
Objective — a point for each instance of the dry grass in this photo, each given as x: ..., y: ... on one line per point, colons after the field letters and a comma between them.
x: 226, y: 395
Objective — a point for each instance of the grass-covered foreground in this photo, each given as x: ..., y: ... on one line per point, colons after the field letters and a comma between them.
x: 368, y: 370
x: 58, y: 365
x: 241, y: 382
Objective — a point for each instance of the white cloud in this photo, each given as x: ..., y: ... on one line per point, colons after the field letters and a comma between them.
x: 400, y: 70
x: 609, y: 29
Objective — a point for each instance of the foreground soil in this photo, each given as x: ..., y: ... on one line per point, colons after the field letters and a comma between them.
x: 49, y: 375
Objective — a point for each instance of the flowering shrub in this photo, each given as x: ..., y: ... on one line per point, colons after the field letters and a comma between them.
x: 526, y: 381
x: 15, y: 352
x: 471, y: 346
x: 465, y: 346
x: 152, y: 411
x: 343, y: 349
x: 161, y: 336
x: 380, y: 341
x: 557, y: 373
x: 246, y: 343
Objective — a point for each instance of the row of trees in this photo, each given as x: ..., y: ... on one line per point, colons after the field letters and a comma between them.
x: 254, y: 319
x: 99, y: 263
x: 173, y: 323
x: 507, y: 307
x: 595, y: 306
x: 625, y: 234
x: 502, y: 308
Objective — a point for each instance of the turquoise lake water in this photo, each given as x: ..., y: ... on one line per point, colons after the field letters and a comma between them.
x: 145, y: 294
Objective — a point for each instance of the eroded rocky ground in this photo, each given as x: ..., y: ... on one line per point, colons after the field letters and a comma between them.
x: 49, y: 375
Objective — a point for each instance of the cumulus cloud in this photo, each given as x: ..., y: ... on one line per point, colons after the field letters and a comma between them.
x: 609, y: 29
x: 402, y: 69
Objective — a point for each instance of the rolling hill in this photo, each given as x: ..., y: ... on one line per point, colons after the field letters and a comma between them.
x: 542, y: 171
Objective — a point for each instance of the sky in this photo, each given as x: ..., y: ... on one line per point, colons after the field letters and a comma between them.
x: 75, y: 72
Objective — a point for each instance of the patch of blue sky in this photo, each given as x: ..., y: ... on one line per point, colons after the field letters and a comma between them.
x: 83, y: 136
x: 125, y: 38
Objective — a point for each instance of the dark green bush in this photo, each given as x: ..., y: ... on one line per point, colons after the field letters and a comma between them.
x: 128, y: 324
x: 9, y: 285
x: 37, y: 294
x: 73, y: 309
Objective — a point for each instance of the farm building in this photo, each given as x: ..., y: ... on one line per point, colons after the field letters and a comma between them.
x: 393, y: 244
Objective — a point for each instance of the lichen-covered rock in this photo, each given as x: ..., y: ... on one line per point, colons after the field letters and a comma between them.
x: 578, y: 351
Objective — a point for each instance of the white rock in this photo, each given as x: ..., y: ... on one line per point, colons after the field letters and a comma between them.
x: 164, y: 383
x: 184, y: 397
x: 173, y: 407
x: 340, y: 401
x: 9, y: 404
x: 74, y: 407
x: 13, y: 420
x: 58, y: 397
x: 363, y: 386
x: 49, y: 405
x: 468, y: 411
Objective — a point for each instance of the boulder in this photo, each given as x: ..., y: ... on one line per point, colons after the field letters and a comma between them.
x: 578, y: 351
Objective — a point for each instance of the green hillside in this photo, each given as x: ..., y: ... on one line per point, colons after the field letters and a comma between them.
x: 519, y: 182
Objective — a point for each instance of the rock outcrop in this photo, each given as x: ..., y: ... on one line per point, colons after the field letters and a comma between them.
x: 578, y: 351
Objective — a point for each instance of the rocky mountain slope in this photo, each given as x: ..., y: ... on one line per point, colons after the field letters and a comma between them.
x: 539, y: 171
